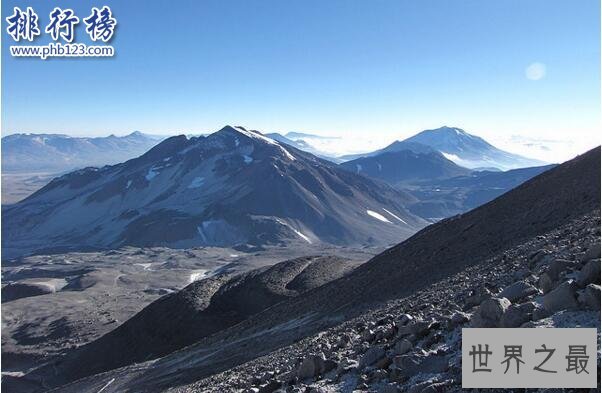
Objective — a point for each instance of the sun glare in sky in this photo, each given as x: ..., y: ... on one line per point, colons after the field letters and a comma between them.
x: 535, y: 71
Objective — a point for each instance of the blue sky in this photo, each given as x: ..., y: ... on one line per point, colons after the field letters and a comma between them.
x: 353, y: 68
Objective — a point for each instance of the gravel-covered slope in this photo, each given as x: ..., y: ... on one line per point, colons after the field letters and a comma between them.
x: 547, y: 202
x: 413, y: 343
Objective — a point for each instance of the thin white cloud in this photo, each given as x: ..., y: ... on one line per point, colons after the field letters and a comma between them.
x: 544, y: 148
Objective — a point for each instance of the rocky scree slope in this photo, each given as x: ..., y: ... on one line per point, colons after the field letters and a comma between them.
x: 544, y: 204
x: 413, y: 344
x: 233, y: 187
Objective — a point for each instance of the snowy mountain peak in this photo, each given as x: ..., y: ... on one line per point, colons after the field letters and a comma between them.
x: 239, y: 131
x: 469, y: 150
x: 242, y: 135
x: 451, y: 130
x: 448, y: 134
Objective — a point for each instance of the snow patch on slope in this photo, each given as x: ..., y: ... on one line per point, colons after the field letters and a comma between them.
x: 151, y: 174
x: 378, y: 216
x: 451, y: 157
x: 197, y: 275
x: 196, y: 182
x: 218, y: 232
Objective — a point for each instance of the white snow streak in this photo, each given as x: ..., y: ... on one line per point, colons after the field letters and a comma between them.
x: 378, y: 216
x: 201, y: 232
x: 395, y: 216
x: 107, y: 385
x: 302, y: 236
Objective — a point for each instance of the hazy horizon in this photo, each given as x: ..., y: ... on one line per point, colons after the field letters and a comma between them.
x: 548, y: 150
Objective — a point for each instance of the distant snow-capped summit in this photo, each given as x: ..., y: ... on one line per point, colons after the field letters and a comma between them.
x: 459, y: 146
x: 233, y: 187
x: 469, y: 150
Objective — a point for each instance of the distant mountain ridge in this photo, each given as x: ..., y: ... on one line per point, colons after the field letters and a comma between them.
x: 442, y: 186
x: 233, y: 187
x: 55, y: 153
x: 301, y: 145
x: 303, y: 135
x: 441, y: 198
x: 328, y: 147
